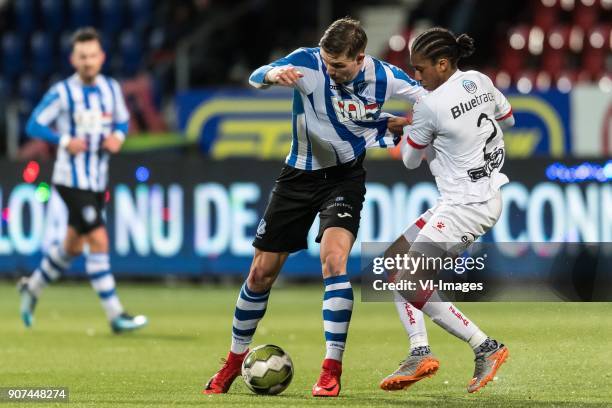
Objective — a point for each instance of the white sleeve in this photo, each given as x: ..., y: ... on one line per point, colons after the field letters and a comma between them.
x: 421, y: 132
x: 403, y: 86
x: 418, y: 135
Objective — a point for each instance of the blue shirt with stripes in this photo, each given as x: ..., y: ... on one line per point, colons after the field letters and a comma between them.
x: 78, y: 110
x: 333, y: 123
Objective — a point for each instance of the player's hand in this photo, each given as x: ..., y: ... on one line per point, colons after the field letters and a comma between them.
x: 285, y: 76
x: 395, y: 125
x: 112, y: 144
x: 76, y: 146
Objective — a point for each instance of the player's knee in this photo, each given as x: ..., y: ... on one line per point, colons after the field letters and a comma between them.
x: 334, y: 263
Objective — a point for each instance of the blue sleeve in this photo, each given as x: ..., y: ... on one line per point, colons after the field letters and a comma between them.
x: 122, y: 127
x: 302, y: 57
x: 48, y: 107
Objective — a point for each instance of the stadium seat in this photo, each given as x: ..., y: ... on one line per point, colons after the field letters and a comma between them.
x: 585, y: 16
x: 12, y: 56
x: 502, y: 80
x: 553, y: 62
x: 566, y: 80
x: 111, y: 13
x: 43, y: 61
x: 65, y: 50
x: 5, y: 89
x: 526, y: 81
x: 140, y: 14
x: 24, y: 11
x: 81, y: 13
x: 576, y: 39
x: 29, y: 91
x: 131, y: 53
x: 52, y: 15
x: 545, y: 16
x: 593, y: 61
x: 543, y: 81
x: 511, y: 60
x: 558, y: 38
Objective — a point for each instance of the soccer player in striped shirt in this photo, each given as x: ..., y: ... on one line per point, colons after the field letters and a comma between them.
x: 86, y: 117
x: 338, y: 97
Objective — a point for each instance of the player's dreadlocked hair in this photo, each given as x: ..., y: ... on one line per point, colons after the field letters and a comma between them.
x: 344, y: 36
x: 438, y: 42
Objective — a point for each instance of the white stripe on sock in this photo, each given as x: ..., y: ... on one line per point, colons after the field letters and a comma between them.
x: 338, y: 303
x: 336, y: 286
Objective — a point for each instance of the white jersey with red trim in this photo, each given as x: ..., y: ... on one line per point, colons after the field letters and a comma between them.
x: 459, y: 120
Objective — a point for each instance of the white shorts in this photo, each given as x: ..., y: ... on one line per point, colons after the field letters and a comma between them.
x: 453, y: 223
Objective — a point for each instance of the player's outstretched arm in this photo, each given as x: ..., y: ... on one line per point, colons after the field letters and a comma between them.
x: 284, y: 76
x: 296, y: 70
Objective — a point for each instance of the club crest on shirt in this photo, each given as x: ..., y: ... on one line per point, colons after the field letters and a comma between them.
x: 354, y: 110
x: 261, y: 228
x: 470, y: 86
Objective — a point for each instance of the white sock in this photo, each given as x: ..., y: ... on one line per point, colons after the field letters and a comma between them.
x: 413, y: 321
x: 337, y: 312
x: 52, y: 266
x: 102, y: 280
x: 477, y: 339
x: 450, y: 318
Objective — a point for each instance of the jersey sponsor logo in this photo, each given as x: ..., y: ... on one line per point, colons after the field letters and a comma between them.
x: 92, y: 121
x: 464, y: 107
x: 354, y: 110
x: 470, y: 86
x: 344, y: 215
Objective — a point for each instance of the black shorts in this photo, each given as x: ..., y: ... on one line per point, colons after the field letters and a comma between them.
x: 85, y: 208
x: 335, y: 193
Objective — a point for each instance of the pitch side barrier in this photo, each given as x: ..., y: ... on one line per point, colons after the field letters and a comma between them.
x: 194, y: 217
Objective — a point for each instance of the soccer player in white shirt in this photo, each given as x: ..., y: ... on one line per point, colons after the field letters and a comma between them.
x: 338, y: 96
x: 85, y: 115
x: 458, y: 128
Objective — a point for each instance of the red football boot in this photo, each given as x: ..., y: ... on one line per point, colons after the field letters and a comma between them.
x: 221, y: 382
x: 328, y: 384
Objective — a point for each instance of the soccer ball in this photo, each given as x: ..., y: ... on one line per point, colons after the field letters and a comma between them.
x: 267, y: 370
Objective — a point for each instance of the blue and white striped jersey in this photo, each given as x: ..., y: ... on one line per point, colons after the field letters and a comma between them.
x: 71, y: 108
x: 334, y: 123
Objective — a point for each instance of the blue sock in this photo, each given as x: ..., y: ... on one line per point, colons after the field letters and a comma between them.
x: 337, y: 311
x: 97, y: 266
x: 250, y: 309
x: 52, y: 266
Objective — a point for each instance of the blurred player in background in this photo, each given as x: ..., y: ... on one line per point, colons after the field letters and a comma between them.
x: 86, y: 116
x: 459, y: 127
x: 338, y: 95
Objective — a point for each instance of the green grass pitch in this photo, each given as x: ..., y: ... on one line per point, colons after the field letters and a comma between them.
x: 560, y: 353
